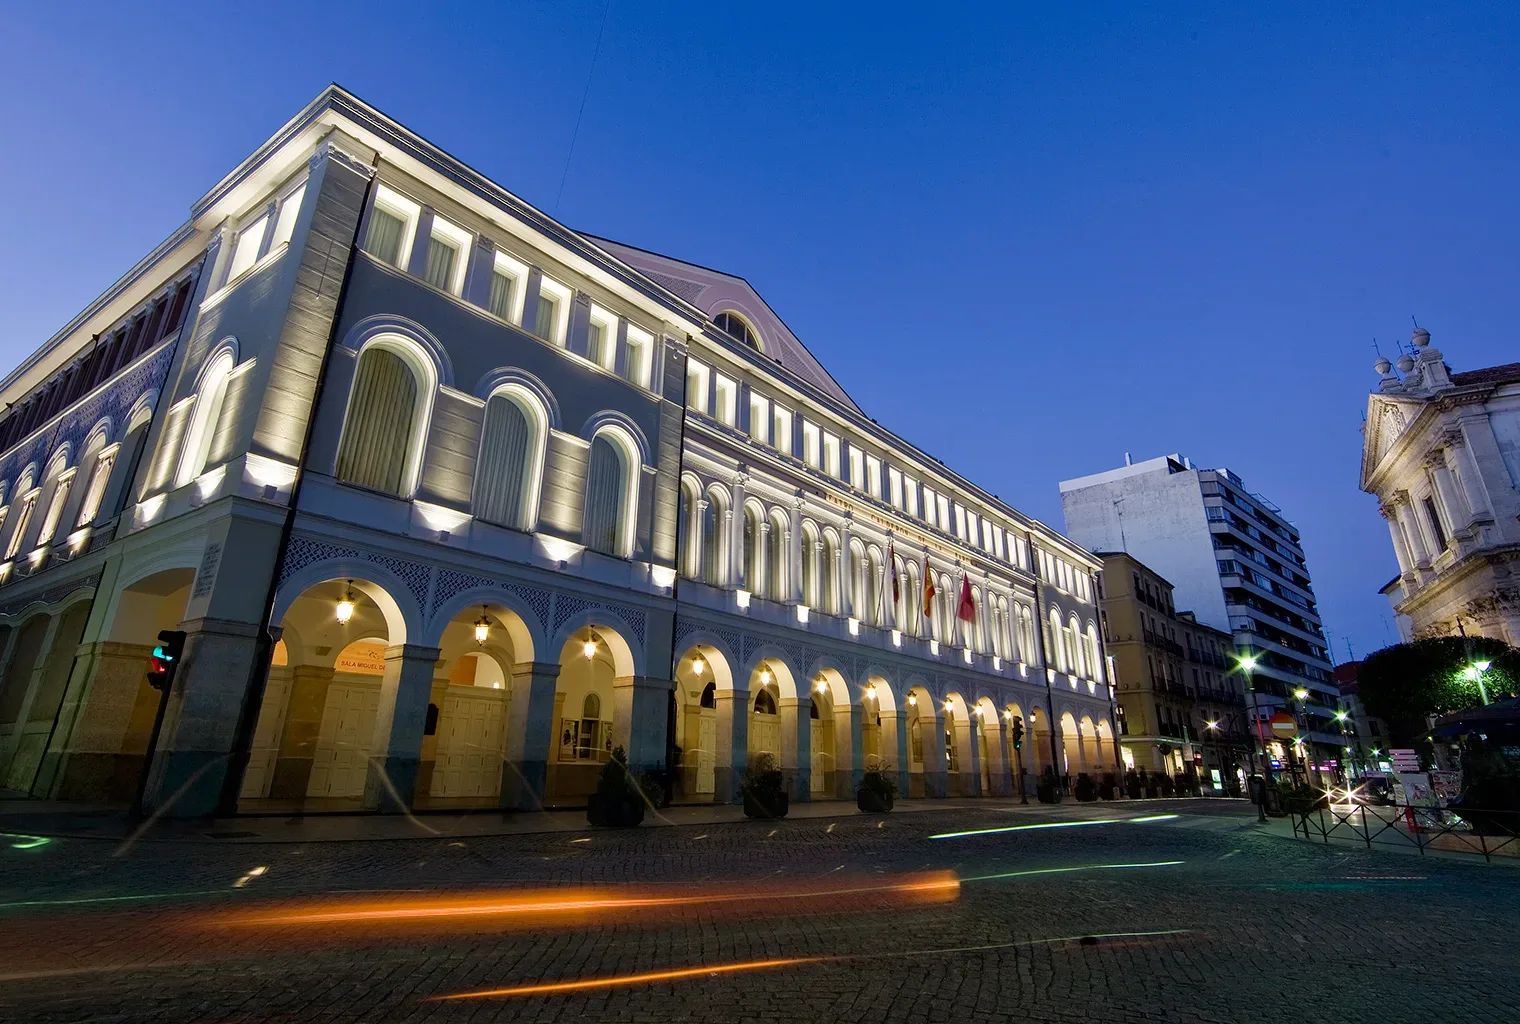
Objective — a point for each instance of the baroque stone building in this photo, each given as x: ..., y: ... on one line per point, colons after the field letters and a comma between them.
x: 1441, y: 451
x: 452, y: 501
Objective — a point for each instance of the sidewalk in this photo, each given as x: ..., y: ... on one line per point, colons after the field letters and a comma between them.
x: 34, y: 818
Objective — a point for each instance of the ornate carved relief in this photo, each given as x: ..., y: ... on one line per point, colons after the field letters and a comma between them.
x: 303, y: 552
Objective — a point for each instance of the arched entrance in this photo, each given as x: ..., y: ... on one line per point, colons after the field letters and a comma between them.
x: 991, y: 748
x: 962, y: 748
x: 32, y: 689
x: 325, y: 721
x: 1092, y: 756
x: 591, y: 664
x: 926, y: 745
x: 1071, y: 747
x: 1017, y: 749
x: 697, y: 672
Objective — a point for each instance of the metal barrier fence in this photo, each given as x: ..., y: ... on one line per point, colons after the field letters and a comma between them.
x: 1458, y: 830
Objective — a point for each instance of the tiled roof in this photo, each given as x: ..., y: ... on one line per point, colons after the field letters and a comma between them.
x: 1509, y: 373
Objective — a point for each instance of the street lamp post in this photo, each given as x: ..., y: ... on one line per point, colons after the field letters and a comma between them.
x: 1211, y: 732
x: 1305, y: 742
x: 1475, y: 672
x: 1247, y: 665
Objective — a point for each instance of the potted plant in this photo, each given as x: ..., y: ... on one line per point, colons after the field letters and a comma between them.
x: 1086, y: 790
x: 618, y: 801
x: 764, y: 794
x: 1108, y: 789
x: 876, y: 792
x: 1048, y: 789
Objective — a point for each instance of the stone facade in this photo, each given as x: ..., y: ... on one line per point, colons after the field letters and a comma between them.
x: 1441, y: 453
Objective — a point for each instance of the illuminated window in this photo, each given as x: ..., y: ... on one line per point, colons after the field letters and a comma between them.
x: 205, y: 417
x: 601, y: 338
x: 553, y: 311
x: 831, y: 455
x: 895, y: 487
x: 781, y: 432
x: 392, y: 221
x: 857, y: 468
x: 731, y: 325
x: 696, y: 385
x: 944, y: 513
x: 55, y: 508
x: 448, y: 249
x: 810, y: 449
x: 929, y: 506
x: 96, y: 489
x: 507, y: 278
x: 612, y: 477
x: 285, y: 219
x: 759, y: 417
x: 638, y: 351
x: 245, y: 252
x: 873, y: 476
x: 960, y: 522
x: 726, y: 399
x: 910, y: 489
x: 23, y: 520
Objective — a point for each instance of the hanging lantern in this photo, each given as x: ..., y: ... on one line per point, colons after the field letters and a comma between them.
x: 871, y: 691
x: 346, y: 606
x: 589, y: 648
x: 820, y: 685
x: 698, y: 666
x: 912, y: 700
x: 765, y: 677
x: 482, y: 627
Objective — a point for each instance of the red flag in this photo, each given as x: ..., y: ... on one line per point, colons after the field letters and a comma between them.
x: 928, y: 588
x: 892, y: 568
x: 967, y: 611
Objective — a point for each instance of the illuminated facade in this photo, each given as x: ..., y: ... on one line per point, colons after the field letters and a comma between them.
x: 1441, y: 453
x: 452, y: 501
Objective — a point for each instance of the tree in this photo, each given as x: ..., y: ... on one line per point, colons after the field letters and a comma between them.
x: 1406, y: 683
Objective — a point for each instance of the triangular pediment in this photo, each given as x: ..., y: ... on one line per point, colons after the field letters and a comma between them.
x: 1387, y: 419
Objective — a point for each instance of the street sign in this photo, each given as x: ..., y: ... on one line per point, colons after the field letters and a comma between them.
x: 1283, y: 725
x: 1405, y: 760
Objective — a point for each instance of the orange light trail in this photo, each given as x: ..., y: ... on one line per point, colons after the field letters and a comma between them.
x: 556, y: 987
x: 937, y: 887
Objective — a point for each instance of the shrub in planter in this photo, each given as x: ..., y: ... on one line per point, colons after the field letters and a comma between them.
x: 1108, y: 789
x: 764, y: 794
x: 618, y: 801
x: 1087, y: 790
x: 876, y: 793
x: 1132, y: 785
x: 1048, y: 790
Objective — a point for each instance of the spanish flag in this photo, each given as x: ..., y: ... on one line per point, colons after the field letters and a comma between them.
x: 928, y: 588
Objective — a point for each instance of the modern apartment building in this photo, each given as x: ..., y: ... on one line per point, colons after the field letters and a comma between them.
x: 1235, y: 560
x: 452, y: 501
x: 1181, y: 702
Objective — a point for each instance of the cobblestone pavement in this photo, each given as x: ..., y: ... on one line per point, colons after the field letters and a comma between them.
x: 1191, y: 918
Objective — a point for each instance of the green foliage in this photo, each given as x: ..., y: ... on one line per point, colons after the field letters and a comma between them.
x: 1405, y: 683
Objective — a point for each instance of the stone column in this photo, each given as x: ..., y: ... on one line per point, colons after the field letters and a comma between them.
x: 1469, y: 480
x: 727, y: 573
x: 298, y: 738
x: 195, y: 745
x: 846, y: 572
x: 641, y: 707
x: 529, y: 734
x: 897, y: 721
x: 936, y: 773
x: 1001, y: 769
x: 731, y: 754
x: 102, y: 758
x: 971, y: 757
x: 794, y: 553
x: 1451, y: 496
x: 736, y: 537
x: 396, y: 750
x: 796, y: 746
x: 1400, y: 549
x: 849, y: 754
x: 694, y: 536
x: 1412, y: 530
x: 760, y: 586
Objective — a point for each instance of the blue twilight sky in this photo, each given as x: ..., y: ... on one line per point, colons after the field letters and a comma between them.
x: 1028, y: 239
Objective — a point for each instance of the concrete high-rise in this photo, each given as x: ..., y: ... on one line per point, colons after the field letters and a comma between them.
x: 1234, y: 559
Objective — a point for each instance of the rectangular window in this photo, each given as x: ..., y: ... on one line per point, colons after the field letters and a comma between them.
x: 944, y: 513
x: 810, y: 453
x: 873, y: 476
x: 781, y: 432
x: 1023, y: 553
x: 960, y: 522
x: 391, y: 223
x: 857, y: 468
x: 246, y: 252
x: 507, y: 278
x: 696, y: 385
x: 285, y: 220
x: 895, y: 487
x: 97, y: 486
x: 1436, y: 528
x: 759, y: 417
x: 726, y: 397
x: 447, y: 248
x: 831, y: 455
x: 997, y: 541
x: 637, y: 356
x: 553, y: 311
x: 601, y: 338
x: 910, y: 491
x: 929, y: 507
x: 23, y: 520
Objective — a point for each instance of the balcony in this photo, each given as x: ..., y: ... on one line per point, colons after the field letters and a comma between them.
x: 1162, y: 643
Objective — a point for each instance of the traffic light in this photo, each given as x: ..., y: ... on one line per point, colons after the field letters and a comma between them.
x: 165, y: 658
x: 1018, y: 734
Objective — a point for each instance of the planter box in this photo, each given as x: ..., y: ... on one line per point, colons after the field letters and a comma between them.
x: 873, y: 801
x: 769, y: 806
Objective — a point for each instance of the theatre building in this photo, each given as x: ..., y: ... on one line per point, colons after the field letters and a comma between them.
x: 451, y: 501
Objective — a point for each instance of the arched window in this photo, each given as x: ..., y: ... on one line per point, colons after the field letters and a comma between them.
x: 775, y: 561
x: 810, y: 565
x: 977, y: 629
x: 95, y: 487
x: 946, y: 598
x: 592, y: 707
x: 204, y: 418
x: 828, y: 579
x: 714, y: 543
x: 904, y: 599
x: 754, y: 557
x: 912, y: 599
x: 858, y: 603
x: 1074, y: 645
x: 876, y: 604
x: 610, y: 483
x: 732, y: 325
x: 709, y: 696
x: 1026, y: 634
x: 381, y: 443
x: 1094, y: 660
x: 1056, y: 644
x: 509, y: 468
x: 765, y: 704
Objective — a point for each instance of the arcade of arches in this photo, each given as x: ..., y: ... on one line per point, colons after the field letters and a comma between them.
x: 358, y: 714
